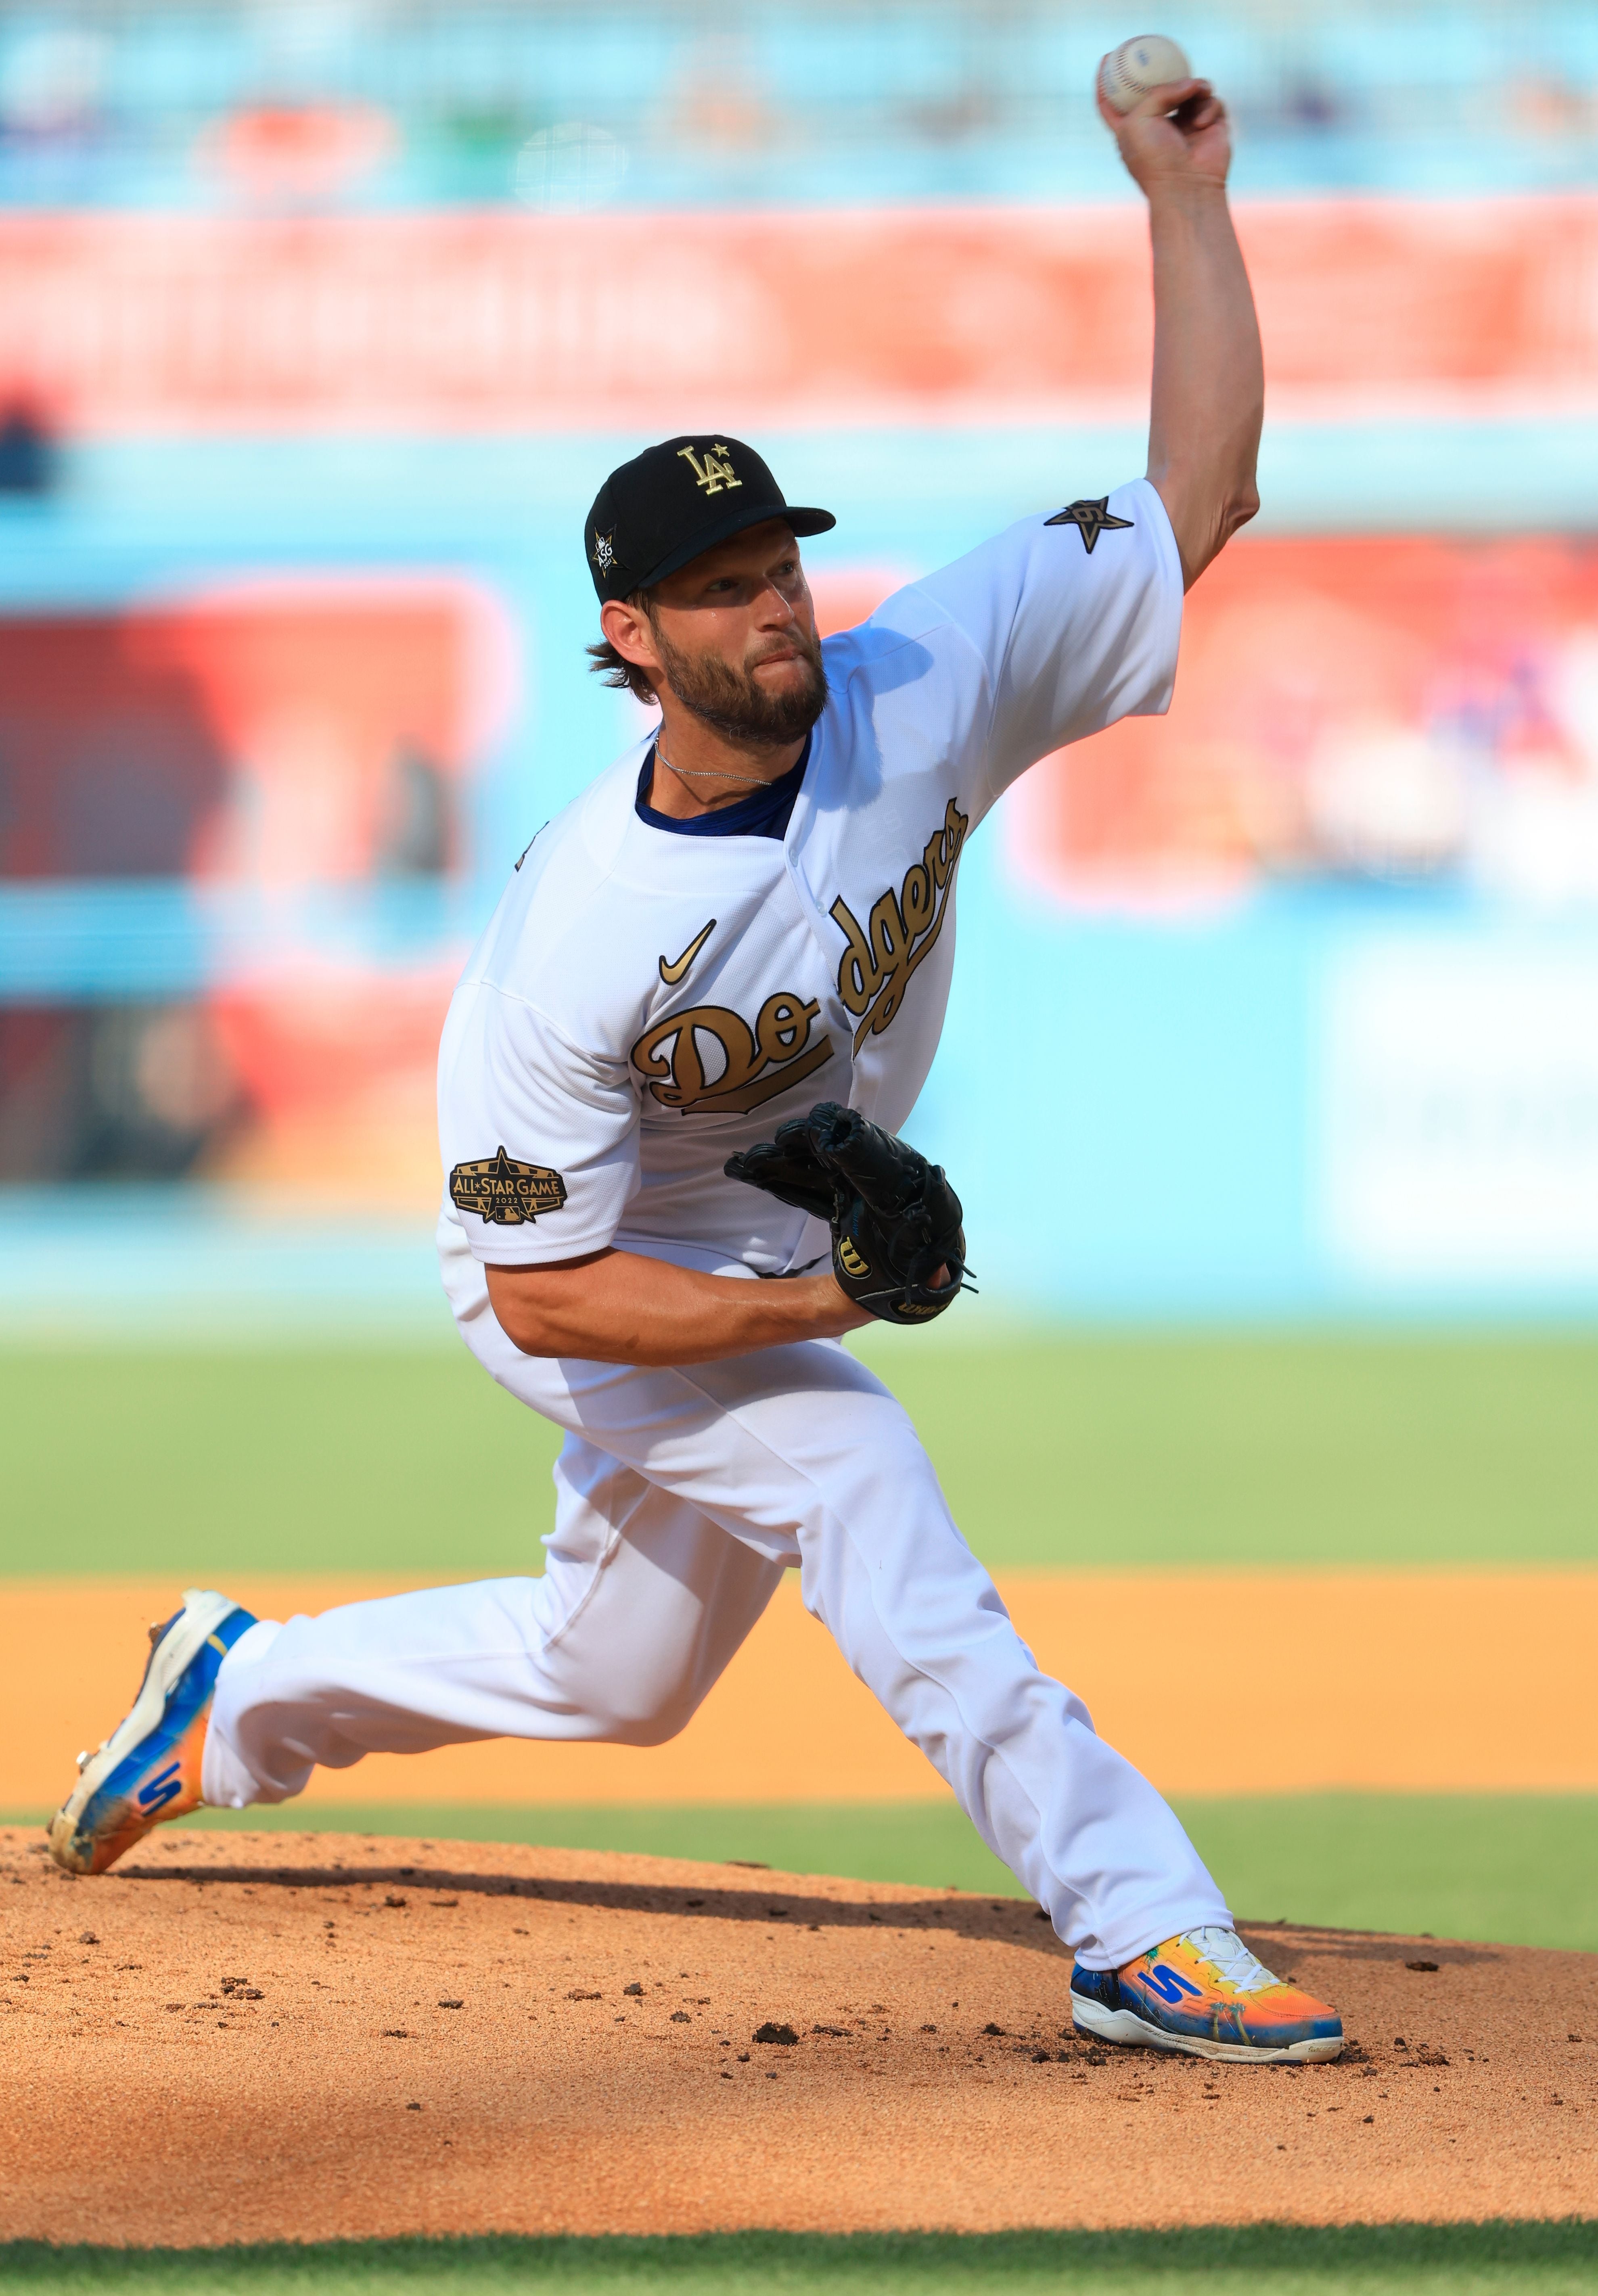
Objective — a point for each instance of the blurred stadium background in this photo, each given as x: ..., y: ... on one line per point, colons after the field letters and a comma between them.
x: 319, y: 326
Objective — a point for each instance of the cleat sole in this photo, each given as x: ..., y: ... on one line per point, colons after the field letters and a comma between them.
x: 1123, y: 2029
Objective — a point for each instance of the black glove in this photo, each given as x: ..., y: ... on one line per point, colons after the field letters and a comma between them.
x: 894, y: 1219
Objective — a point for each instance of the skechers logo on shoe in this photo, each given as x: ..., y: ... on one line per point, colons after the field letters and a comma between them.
x: 164, y: 1787
x: 1167, y: 1984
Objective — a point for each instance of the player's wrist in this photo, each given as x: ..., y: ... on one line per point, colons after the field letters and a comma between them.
x: 1181, y: 192
x: 834, y: 1312
x: 848, y: 1314
x: 822, y: 1310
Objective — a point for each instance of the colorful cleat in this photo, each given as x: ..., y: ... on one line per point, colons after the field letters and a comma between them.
x: 148, y: 1769
x: 1204, y: 1994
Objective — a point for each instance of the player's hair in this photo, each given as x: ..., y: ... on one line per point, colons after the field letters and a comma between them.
x: 615, y: 669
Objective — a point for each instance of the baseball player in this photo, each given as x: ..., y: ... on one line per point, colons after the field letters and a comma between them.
x: 745, y: 927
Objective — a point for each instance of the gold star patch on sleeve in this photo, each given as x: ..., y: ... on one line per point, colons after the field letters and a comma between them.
x: 505, y: 1193
x: 1090, y: 519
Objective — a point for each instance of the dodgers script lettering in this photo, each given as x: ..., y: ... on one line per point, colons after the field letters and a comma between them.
x: 747, y: 1067
x: 903, y: 926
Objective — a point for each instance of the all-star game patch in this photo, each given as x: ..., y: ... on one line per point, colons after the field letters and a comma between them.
x: 1090, y: 519
x: 504, y: 1193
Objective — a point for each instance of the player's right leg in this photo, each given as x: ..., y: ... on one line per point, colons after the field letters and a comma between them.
x: 801, y: 1452
x: 1203, y: 1994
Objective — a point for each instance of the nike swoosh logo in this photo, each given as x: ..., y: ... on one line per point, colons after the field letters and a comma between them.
x: 672, y: 973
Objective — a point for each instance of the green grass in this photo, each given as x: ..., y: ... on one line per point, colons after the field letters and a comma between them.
x: 1514, y: 1869
x: 1518, y: 1869
x: 1113, y: 1449
x: 1540, y: 2260
x: 1289, y: 1447
x: 202, y: 1465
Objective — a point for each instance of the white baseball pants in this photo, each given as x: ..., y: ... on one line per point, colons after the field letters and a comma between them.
x: 681, y: 1497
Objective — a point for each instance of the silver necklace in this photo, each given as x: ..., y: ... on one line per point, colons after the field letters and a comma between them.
x: 707, y: 774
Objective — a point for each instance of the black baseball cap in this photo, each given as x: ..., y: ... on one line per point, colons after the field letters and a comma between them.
x: 661, y: 509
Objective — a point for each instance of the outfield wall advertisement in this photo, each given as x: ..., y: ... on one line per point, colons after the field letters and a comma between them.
x: 130, y: 323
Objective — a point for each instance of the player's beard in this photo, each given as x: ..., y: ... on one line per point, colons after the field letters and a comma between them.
x: 733, y: 702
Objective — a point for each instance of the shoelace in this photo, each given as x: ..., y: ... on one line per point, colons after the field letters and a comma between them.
x: 1231, y: 1959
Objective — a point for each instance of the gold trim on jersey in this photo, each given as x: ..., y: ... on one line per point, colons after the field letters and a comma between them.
x: 757, y: 1062
x: 879, y: 957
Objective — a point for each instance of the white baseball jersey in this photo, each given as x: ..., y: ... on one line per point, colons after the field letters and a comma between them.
x: 643, y: 1003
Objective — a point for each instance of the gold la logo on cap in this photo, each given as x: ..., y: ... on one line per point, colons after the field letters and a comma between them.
x: 604, y: 550
x: 714, y: 473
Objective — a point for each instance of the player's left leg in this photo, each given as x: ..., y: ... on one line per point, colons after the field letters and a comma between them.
x: 641, y: 1604
x: 148, y: 1769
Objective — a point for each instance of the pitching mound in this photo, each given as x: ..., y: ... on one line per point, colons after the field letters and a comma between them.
x: 251, y: 2037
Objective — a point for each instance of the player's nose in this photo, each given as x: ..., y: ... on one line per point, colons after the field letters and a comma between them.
x: 775, y: 608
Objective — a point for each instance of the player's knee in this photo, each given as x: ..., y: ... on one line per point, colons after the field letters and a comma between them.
x: 647, y: 1713
x: 653, y: 1729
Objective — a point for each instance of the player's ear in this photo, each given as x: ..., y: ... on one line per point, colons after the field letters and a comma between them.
x: 628, y: 628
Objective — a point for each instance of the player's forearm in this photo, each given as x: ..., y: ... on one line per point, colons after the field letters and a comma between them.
x: 621, y: 1307
x: 1208, y: 392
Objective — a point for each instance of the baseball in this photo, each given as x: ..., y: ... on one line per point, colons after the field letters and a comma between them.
x: 1147, y: 61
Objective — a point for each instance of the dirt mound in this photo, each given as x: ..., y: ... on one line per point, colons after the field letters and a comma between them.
x: 247, y: 2037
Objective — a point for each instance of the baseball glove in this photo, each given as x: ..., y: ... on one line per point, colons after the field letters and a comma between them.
x: 898, y: 1245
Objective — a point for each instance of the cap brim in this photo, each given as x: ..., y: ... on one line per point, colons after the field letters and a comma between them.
x: 802, y: 521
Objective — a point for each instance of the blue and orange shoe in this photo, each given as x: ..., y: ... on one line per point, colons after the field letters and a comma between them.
x: 1204, y: 1994
x: 149, y: 1768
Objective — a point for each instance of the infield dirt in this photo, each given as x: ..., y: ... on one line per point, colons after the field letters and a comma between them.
x: 237, y: 2036
x: 1401, y: 1710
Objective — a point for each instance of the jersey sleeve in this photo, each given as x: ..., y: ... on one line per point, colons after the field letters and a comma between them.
x: 1072, y: 621
x: 539, y: 1137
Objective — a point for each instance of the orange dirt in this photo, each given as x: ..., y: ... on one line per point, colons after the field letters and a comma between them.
x: 246, y: 2037
x: 1393, y: 1702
